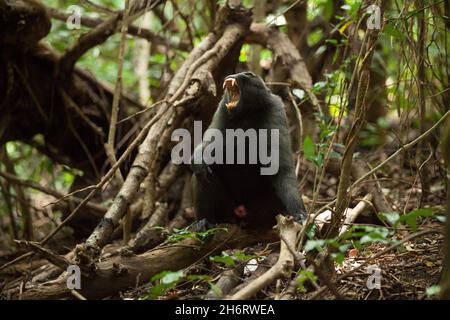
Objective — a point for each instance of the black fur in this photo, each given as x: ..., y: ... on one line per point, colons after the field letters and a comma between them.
x: 219, y: 188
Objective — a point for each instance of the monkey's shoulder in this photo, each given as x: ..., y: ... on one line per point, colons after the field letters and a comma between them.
x: 274, y: 114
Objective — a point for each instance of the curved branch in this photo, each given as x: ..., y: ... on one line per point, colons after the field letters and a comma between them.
x: 99, y: 35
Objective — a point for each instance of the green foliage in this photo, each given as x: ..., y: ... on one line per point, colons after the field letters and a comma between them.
x: 167, y: 280
x: 309, y: 149
x: 372, y: 134
x: 361, y: 235
x: 433, y: 290
x: 229, y: 259
x: 410, y: 219
x: 314, y: 37
x: 224, y: 258
x: 217, y: 290
x: 311, y: 231
x: 316, y: 153
x: 244, y: 53
x: 302, y: 277
x: 181, y: 234
x: 29, y: 164
x: 265, y: 54
x: 392, y: 30
x: 358, y: 236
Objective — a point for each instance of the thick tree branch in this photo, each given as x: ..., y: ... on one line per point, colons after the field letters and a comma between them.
x: 99, y: 35
x: 119, y: 273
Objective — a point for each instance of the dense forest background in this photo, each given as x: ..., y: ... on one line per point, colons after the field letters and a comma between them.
x: 91, y: 91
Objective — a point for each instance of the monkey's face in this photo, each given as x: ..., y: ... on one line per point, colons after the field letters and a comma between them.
x: 243, y: 90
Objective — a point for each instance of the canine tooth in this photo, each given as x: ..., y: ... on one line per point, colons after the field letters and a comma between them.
x: 230, y: 80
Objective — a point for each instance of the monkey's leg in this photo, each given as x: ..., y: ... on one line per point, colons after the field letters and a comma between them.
x: 209, y: 197
x: 287, y: 192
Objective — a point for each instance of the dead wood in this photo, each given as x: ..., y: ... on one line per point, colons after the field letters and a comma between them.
x: 263, y: 267
x: 288, y: 232
x: 228, y: 280
x: 123, y: 272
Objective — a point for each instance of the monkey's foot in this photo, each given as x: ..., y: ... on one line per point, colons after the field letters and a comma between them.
x: 200, y: 225
x: 299, y: 217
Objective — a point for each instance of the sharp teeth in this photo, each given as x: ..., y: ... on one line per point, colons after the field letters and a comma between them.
x: 231, y: 80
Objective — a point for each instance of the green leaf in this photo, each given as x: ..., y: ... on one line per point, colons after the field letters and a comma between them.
x: 265, y: 54
x: 167, y: 276
x: 338, y: 257
x: 216, y: 289
x: 335, y: 155
x: 313, y: 244
x: 319, y: 86
x: 392, y: 31
x: 311, y: 231
x: 244, y: 53
x: 309, y: 149
x: 433, y: 290
x: 223, y: 259
x: 390, y: 217
x: 331, y: 41
x: 241, y: 256
x: 411, y: 218
x: 168, y: 280
x: 196, y: 277
x: 157, y: 291
x: 411, y: 221
x: 302, y: 277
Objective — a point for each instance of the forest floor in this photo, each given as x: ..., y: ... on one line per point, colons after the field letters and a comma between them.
x: 407, y: 271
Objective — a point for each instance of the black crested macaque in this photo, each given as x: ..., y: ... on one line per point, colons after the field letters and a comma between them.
x: 239, y: 193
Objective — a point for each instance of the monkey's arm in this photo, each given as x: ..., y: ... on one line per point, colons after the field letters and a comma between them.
x: 284, y: 182
x: 197, y: 161
x: 208, y: 192
x: 209, y: 197
x: 285, y: 188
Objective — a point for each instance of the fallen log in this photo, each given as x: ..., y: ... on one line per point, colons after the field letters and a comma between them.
x: 120, y: 272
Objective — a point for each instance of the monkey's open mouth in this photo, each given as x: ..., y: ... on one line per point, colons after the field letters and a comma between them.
x: 233, y: 91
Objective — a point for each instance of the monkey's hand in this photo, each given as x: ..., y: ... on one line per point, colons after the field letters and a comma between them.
x: 200, y: 168
x: 286, y: 190
x: 300, y: 217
